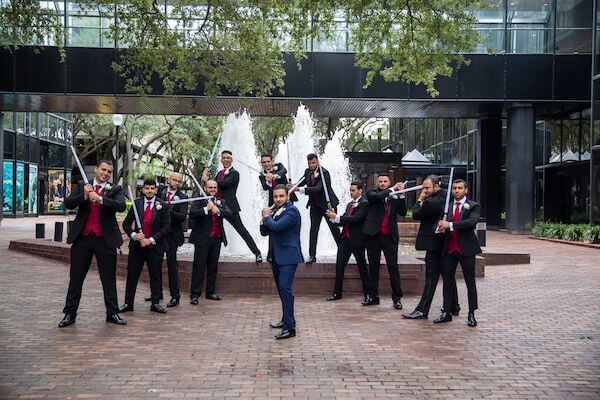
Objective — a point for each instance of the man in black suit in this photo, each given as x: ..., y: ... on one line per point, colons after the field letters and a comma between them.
x: 228, y: 180
x: 381, y: 229
x: 207, y: 236
x: 148, y: 244
x: 312, y: 185
x: 460, y: 245
x: 178, y: 214
x: 95, y: 233
x: 352, y: 240
x: 428, y: 209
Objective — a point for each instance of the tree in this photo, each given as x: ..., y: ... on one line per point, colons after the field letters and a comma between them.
x: 235, y: 46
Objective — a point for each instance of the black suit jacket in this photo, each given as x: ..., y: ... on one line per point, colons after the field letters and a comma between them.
x: 316, y: 195
x: 355, y: 222
x: 467, y: 240
x: 228, y: 186
x: 429, y: 213
x: 377, y: 200
x: 177, y: 212
x: 202, y: 222
x: 161, y: 224
x: 278, y: 169
x: 113, y: 201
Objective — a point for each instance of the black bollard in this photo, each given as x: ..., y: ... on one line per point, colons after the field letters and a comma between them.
x: 58, y: 231
x: 69, y: 226
x: 40, y: 231
x: 481, y: 229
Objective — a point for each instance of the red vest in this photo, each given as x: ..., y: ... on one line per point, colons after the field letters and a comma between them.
x: 215, y: 228
x: 147, y: 221
x: 93, y: 221
x: 385, y: 222
x: 346, y: 230
x: 453, y: 238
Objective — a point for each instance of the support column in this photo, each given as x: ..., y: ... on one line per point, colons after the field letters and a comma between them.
x: 1, y: 164
x: 489, y: 169
x: 520, y: 173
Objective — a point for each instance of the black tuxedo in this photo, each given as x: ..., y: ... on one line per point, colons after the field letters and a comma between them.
x: 175, y: 238
x: 279, y: 170
x: 318, y: 205
x: 429, y: 212
x: 86, y: 246
x: 152, y: 256
x: 228, y: 186
x: 469, y: 248
x: 378, y: 242
x: 206, y: 248
x: 355, y: 244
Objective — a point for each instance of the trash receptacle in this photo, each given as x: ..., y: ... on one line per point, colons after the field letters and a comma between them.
x: 58, y: 231
x: 40, y: 231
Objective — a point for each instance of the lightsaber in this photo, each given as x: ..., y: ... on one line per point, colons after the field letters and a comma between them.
x: 325, y: 187
x: 214, y: 150
x: 410, y: 189
x: 135, y: 211
x: 447, y: 205
x: 289, y: 171
x: 296, y: 185
x: 85, y: 179
x: 202, y: 192
x: 190, y: 199
x: 250, y: 167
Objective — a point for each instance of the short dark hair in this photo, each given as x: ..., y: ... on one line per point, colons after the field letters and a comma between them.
x: 227, y: 152
x: 383, y: 173
x: 358, y: 185
x: 461, y: 181
x: 434, y: 179
x: 312, y: 156
x: 280, y: 187
x: 149, y: 182
x: 105, y: 162
x: 266, y: 155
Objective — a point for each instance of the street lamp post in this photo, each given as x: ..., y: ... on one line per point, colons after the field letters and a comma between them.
x: 117, y: 121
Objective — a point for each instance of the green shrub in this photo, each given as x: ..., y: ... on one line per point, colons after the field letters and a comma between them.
x: 591, y: 234
x: 571, y: 232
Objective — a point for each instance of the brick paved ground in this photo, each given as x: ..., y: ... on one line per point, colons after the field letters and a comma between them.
x: 539, y: 337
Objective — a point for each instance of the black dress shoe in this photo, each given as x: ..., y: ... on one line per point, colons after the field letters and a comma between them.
x: 173, y: 302
x: 158, y: 308
x: 415, y: 315
x: 212, y: 297
x: 334, y: 297
x: 310, y: 260
x: 126, y: 307
x: 270, y: 259
x: 194, y: 301
x: 115, y: 319
x: 277, y: 325
x: 398, y: 304
x: 371, y: 301
x: 149, y: 298
x: 471, y: 321
x: 444, y: 317
x: 69, y: 319
x: 258, y: 258
x: 456, y: 311
x: 286, y: 334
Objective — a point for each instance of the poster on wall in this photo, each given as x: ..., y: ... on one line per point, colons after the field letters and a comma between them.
x: 33, y: 186
x: 20, y: 187
x: 68, y: 183
x: 56, y: 191
x: 7, y: 186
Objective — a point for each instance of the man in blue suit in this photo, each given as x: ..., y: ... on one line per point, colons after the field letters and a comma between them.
x: 282, y: 223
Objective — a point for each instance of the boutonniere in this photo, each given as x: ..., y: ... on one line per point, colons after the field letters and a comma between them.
x: 394, y: 196
x: 218, y: 203
x: 316, y: 174
x: 175, y: 198
x: 279, y: 212
x: 158, y: 206
x: 466, y: 206
x: 107, y: 187
x: 275, y: 168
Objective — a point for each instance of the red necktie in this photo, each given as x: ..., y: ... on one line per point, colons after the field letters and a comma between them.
x: 456, y: 214
x: 98, y: 189
x: 168, y: 196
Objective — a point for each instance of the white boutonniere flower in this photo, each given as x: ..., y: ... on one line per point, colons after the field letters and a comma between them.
x: 394, y: 196
x: 316, y: 175
x: 466, y: 206
x: 218, y: 203
x: 175, y: 198
x: 158, y: 206
x: 275, y: 168
x: 107, y: 187
x: 279, y: 212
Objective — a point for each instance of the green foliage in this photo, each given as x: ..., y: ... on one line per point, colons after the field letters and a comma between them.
x: 573, y: 232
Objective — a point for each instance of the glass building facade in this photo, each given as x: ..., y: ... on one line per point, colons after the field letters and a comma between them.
x: 35, y: 172
x: 595, y: 118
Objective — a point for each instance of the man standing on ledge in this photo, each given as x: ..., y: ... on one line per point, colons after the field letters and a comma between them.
x: 429, y: 209
x: 283, y: 226
x: 461, y: 245
x: 95, y: 233
x: 381, y: 229
x: 228, y: 180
